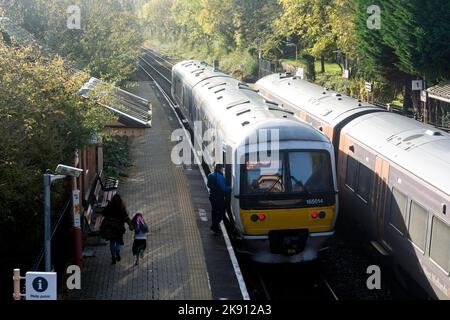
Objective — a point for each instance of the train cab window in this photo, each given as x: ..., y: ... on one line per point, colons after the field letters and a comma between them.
x: 352, y: 173
x: 264, y: 177
x: 310, y: 172
x: 417, y: 229
x: 399, y: 202
x: 364, y: 182
x: 440, y: 244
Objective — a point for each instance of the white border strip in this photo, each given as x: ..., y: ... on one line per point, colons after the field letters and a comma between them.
x: 230, y: 249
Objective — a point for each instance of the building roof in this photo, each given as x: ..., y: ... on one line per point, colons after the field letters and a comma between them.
x: 132, y: 111
x: 440, y: 92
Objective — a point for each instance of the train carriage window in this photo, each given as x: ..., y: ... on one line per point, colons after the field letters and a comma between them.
x: 399, y: 202
x: 364, y: 182
x: 440, y: 244
x: 418, y: 225
x: 352, y: 173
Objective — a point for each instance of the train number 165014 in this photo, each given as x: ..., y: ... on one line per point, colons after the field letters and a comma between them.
x: 314, y: 201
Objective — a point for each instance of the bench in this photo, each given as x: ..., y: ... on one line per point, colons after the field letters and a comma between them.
x: 102, y: 191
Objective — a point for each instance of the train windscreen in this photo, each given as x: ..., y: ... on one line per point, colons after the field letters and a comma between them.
x: 290, y: 180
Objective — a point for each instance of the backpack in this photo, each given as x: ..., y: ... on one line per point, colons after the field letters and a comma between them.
x: 143, y: 227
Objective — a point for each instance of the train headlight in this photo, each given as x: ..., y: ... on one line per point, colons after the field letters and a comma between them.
x: 322, y: 215
x: 314, y: 215
x: 262, y: 217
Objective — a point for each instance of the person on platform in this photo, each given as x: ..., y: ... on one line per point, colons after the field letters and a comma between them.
x: 141, y: 230
x: 113, y: 226
x: 217, y: 191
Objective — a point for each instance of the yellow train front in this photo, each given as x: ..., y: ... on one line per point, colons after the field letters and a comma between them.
x: 284, y: 200
x: 286, y: 208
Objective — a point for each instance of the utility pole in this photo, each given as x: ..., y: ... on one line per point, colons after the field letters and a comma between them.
x: 47, y: 222
x: 63, y: 171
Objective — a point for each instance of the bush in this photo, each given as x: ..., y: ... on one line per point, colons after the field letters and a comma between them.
x: 117, y: 157
x: 446, y: 120
x: 239, y: 63
x: 43, y: 122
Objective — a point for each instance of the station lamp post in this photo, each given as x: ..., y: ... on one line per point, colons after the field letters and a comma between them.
x: 61, y: 172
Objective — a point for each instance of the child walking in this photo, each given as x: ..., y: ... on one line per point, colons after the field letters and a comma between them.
x: 140, y: 237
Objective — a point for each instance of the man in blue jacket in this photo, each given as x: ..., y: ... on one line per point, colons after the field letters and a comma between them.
x: 217, y: 190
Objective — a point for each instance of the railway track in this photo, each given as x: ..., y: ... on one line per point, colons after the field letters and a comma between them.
x: 164, y: 62
x: 264, y: 281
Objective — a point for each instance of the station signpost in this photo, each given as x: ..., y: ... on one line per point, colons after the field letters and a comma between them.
x: 38, y: 286
x: 41, y: 286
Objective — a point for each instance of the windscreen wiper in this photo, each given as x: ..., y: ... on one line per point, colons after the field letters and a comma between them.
x: 273, y: 186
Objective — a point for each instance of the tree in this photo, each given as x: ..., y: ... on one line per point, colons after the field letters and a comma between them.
x: 108, y: 40
x: 219, y: 19
x: 309, y: 21
x: 410, y: 43
x: 43, y: 122
x: 155, y: 17
x: 186, y: 14
x: 417, y: 31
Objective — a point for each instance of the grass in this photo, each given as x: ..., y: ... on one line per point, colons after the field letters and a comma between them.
x: 330, y: 68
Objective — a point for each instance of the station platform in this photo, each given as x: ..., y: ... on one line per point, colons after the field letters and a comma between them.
x: 184, y: 260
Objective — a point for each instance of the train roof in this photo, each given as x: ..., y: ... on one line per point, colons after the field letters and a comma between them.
x: 324, y: 104
x: 419, y: 148
x: 237, y: 109
x: 193, y: 72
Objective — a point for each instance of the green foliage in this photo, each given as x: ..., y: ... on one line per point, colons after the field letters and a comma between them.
x: 370, y: 48
x: 229, y: 30
x: 446, y: 120
x: 240, y: 63
x: 117, y: 157
x: 417, y: 32
x: 309, y: 21
x: 108, y: 39
x: 43, y: 123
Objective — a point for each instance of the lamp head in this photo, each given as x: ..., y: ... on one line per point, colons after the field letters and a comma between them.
x: 69, y: 171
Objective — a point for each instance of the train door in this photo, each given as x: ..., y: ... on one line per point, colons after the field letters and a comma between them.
x: 229, y: 182
x: 191, y: 106
x: 379, y: 195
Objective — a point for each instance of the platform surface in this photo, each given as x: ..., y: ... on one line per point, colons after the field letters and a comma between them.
x: 184, y: 260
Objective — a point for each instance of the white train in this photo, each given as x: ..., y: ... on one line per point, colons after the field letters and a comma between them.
x: 281, y: 215
x: 394, y: 178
